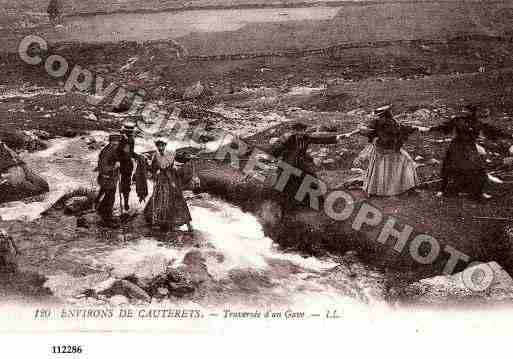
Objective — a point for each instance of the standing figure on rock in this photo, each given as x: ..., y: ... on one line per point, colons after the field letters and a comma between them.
x: 108, y: 168
x: 166, y: 207
x: 391, y: 170
x: 292, y: 148
x: 463, y: 170
x: 126, y: 158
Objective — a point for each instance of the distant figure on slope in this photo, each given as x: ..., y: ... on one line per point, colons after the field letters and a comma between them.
x: 463, y: 170
x: 54, y: 11
x: 391, y: 170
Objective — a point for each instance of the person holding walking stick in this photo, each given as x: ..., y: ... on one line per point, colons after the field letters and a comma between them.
x: 108, y: 177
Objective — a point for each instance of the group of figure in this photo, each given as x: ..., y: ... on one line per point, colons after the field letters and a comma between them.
x: 166, y: 207
x: 391, y: 171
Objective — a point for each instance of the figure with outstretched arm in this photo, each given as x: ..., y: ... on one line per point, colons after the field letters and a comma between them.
x: 463, y: 169
x: 292, y: 148
x: 391, y: 170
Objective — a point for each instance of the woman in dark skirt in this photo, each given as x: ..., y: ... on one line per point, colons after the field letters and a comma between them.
x: 463, y: 170
x: 166, y: 207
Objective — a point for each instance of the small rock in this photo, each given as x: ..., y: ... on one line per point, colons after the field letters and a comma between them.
x: 70, y: 133
x: 128, y: 289
x: 92, y: 117
x: 119, y: 300
x: 193, y: 92
x: 77, y: 204
x: 164, y: 292
x: 180, y: 289
x: 82, y: 222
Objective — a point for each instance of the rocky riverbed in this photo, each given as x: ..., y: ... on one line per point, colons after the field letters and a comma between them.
x: 236, y: 255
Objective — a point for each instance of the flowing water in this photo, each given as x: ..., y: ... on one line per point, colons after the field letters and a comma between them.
x: 238, y: 254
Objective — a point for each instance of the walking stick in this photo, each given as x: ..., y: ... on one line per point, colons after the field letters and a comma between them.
x: 120, y: 198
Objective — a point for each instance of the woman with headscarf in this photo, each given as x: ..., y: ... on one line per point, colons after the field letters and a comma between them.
x: 391, y: 170
x: 166, y: 207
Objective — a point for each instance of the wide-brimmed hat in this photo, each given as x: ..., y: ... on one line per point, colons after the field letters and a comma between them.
x: 115, y: 137
x: 383, y: 111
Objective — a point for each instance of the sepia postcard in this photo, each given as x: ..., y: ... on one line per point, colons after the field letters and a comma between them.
x: 211, y: 166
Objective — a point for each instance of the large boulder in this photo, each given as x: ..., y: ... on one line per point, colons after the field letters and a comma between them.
x: 25, y: 140
x: 16, y: 180
x: 487, y: 283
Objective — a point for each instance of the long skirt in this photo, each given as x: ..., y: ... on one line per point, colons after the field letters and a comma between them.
x: 390, y: 173
x: 463, y: 169
x: 167, y: 206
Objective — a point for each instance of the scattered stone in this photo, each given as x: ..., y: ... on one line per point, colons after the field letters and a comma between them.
x: 127, y: 289
x: 82, y: 222
x: 194, y: 268
x: 194, y: 92
x: 92, y: 117
x: 119, y: 300
x: 77, y: 204
x: 16, y: 180
x: 38, y: 135
x: 164, y: 292
x: 180, y: 289
x: 474, y: 285
x: 70, y: 133
x: 22, y: 140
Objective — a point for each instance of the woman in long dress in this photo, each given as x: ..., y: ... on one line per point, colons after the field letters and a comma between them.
x: 166, y: 207
x: 391, y: 170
